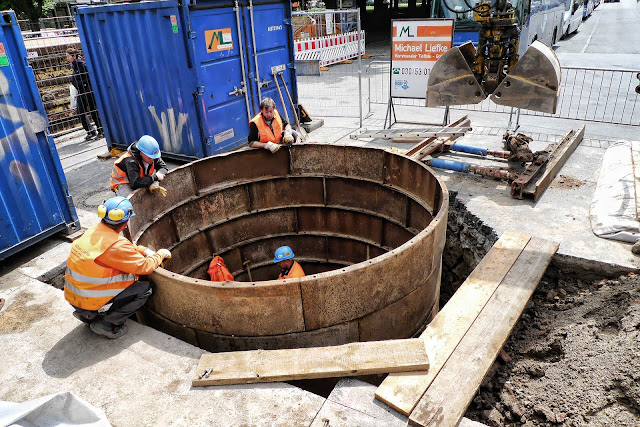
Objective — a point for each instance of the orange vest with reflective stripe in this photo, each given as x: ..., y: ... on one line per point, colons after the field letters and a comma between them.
x: 295, y: 271
x: 119, y: 176
x: 88, y: 285
x: 265, y: 132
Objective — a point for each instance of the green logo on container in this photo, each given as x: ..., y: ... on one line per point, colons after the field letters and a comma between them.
x: 396, y: 71
x: 174, y: 23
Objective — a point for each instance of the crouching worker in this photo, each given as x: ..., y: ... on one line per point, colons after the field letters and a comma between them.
x: 218, y: 272
x: 268, y: 130
x: 141, y: 166
x: 289, y: 268
x: 101, y: 279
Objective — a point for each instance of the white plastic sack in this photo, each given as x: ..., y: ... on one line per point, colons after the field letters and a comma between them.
x: 60, y: 409
x: 613, y: 207
x: 73, y: 96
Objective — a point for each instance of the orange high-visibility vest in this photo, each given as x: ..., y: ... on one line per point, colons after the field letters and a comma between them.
x: 218, y: 271
x: 265, y: 132
x: 295, y: 271
x: 119, y: 176
x: 88, y: 285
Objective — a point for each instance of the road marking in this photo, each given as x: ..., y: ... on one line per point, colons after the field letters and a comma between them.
x: 591, y: 35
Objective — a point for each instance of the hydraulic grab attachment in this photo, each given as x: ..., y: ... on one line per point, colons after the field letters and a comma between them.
x: 463, y: 75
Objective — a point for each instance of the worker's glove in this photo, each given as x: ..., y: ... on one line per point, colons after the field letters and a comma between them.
x: 156, y: 187
x: 288, y: 138
x: 272, y: 146
x: 149, y: 252
x: 164, y: 253
x: 160, y: 176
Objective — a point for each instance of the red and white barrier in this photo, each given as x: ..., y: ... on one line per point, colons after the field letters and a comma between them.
x: 330, y: 49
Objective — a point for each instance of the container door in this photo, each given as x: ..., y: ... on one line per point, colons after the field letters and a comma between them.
x: 141, y: 75
x: 220, y: 63
x: 34, y: 201
x: 272, y: 37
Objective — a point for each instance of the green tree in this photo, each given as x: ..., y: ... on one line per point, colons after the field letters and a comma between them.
x: 32, y: 10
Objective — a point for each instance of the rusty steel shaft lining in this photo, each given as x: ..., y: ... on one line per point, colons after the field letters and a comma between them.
x: 367, y: 225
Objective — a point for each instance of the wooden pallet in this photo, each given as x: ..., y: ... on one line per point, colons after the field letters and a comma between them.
x: 465, y: 337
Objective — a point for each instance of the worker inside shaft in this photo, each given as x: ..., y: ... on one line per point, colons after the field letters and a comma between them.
x: 288, y: 267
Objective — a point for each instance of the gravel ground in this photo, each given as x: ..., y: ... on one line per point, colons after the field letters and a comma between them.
x: 575, y: 359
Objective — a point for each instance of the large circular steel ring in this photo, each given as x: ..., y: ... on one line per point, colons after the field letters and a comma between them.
x: 367, y: 225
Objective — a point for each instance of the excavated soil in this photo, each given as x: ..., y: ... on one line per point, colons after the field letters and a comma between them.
x: 575, y: 359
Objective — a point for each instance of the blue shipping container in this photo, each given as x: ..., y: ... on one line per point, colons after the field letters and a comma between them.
x: 34, y: 199
x: 191, y: 74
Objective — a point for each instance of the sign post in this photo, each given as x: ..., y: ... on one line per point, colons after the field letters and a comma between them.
x: 416, y: 44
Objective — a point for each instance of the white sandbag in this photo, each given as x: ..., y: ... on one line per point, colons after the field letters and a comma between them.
x: 60, y: 409
x: 613, y: 207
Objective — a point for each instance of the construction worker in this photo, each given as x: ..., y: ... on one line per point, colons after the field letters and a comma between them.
x: 141, y: 166
x: 289, y: 268
x: 268, y: 130
x: 102, y: 276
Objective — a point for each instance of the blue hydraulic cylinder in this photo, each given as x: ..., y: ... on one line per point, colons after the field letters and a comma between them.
x: 450, y: 164
x: 469, y: 149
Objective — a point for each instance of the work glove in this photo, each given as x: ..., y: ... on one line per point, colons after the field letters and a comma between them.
x: 164, y: 253
x: 149, y: 252
x: 288, y: 138
x: 156, y: 187
x: 273, y: 147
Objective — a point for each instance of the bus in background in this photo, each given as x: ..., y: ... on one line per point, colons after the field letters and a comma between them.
x: 538, y: 20
x: 572, y: 17
x: 589, y: 5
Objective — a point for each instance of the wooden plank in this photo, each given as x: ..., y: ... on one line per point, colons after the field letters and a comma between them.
x: 560, y: 156
x: 403, y: 391
x: 450, y: 393
x: 635, y: 161
x: 362, y: 358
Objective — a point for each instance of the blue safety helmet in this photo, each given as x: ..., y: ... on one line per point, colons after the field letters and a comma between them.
x: 283, y: 253
x: 116, y: 210
x: 149, y: 146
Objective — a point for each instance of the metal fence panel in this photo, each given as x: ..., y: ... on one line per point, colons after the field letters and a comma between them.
x: 596, y: 95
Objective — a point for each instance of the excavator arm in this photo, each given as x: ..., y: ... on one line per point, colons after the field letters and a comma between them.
x: 464, y: 75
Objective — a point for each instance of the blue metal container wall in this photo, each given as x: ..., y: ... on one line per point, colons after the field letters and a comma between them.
x: 34, y: 199
x: 139, y: 70
x: 192, y: 85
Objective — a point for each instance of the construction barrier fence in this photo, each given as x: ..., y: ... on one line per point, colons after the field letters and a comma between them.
x: 586, y: 94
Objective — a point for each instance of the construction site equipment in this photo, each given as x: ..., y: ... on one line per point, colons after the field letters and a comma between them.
x: 465, y: 337
x: 196, y: 95
x: 33, y: 188
x: 301, y: 131
x: 369, y: 234
x: 347, y: 360
x: 463, y: 75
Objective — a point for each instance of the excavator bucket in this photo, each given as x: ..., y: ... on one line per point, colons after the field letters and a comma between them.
x: 451, y: 81
x: 533, y: 83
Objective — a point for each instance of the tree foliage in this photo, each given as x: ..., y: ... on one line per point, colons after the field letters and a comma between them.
x: 28, y: 9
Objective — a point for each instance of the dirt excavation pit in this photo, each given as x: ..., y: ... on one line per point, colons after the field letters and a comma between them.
x: 367, y: 225
x: 575, y: 351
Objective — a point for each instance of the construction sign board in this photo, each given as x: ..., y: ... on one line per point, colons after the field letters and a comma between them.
x: 416, y: 44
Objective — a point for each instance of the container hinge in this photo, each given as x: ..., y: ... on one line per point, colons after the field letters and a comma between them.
x: 264, y: 82
x: 192, y: 35
x: 237, y: 91
x: 287, y: 22
x: 200, y: 90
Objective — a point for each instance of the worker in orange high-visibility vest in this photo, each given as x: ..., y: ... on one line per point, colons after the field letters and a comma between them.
x: 102, y: 276
x: 141, y: 166
x: 268, y: 130
x: 288, y: 267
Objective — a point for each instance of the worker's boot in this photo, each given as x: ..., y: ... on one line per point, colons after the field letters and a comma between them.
x: 106, y: 329
x: 91, y: 135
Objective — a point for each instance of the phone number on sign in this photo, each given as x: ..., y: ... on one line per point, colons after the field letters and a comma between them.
x: 411, y: 71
